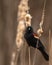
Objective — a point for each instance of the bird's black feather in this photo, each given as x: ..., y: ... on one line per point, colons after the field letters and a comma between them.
x: 32, y: 41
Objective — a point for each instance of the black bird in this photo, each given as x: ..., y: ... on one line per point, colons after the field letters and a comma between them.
x: 32, y: 40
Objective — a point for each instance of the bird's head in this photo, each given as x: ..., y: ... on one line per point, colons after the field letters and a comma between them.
x: 29, y: 29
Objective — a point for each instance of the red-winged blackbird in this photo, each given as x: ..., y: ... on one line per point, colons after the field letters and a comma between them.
x: 32, y: 40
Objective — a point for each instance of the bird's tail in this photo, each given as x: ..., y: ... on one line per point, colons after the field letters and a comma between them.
x: 45, y: 55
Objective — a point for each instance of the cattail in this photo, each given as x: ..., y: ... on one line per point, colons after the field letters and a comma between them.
x: 23, y: 20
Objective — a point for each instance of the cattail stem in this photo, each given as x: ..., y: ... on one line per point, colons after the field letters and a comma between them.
x: 50, y: 48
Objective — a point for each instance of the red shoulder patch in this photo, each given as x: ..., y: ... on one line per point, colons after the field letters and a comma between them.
x: 35, y: 35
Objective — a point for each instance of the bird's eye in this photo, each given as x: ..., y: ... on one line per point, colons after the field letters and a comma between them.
x: 29, y: 29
